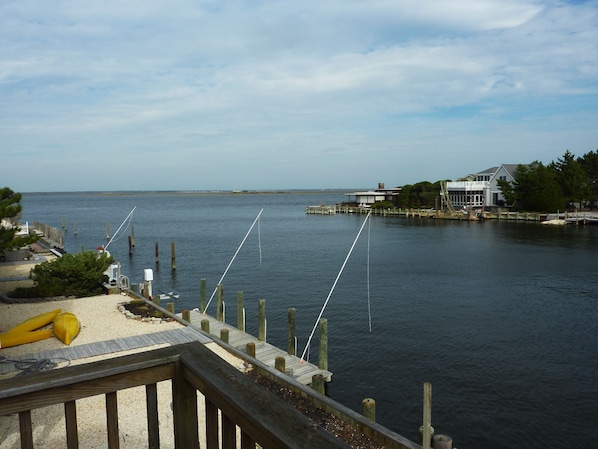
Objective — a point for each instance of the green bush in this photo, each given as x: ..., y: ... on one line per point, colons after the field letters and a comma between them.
x: 78, y: 275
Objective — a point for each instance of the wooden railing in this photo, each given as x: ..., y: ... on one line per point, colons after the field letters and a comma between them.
x: 232, y: 401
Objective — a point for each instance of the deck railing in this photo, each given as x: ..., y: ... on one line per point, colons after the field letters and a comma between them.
x: 237, y: 409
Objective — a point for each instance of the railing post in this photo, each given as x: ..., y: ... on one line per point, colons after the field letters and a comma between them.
x: 369, y: 409
x: 184, y: 408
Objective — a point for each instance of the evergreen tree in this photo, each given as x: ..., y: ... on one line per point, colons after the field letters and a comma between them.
x: 10, y: 210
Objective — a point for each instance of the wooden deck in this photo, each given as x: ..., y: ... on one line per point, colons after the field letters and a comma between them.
x: 171, y: 337
x: 266, y: 353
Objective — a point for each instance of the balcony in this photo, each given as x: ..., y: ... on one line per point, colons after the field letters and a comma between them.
x: 214, y: 405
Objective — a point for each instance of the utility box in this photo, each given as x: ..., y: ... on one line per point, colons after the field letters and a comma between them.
x: 148, y: 275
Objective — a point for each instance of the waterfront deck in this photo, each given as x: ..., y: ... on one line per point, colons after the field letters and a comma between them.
x: 301, y: 371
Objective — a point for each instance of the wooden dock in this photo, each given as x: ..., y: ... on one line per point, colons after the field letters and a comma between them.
x: 75, y: 352
x: 301, y: 371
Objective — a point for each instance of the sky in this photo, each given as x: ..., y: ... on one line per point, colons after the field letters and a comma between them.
x: 260, y: 95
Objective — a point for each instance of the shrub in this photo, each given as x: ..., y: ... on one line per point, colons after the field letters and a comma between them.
x: 78, y: 275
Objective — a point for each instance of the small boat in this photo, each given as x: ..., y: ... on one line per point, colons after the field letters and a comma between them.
x: 66, y: 327
x: 9, y: 339
x: 35, y: 322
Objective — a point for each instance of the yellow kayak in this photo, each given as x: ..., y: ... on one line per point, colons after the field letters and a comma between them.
x: 9, y: 339
x: 66, y: 327
x: 34, y: 323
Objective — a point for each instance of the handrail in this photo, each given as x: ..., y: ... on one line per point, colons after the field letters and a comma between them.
x: 233, y: 400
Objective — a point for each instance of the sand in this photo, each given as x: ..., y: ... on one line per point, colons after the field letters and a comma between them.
x: 100, y: 320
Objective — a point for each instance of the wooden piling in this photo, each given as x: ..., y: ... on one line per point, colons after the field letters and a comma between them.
x: 240, y: 312
x: 133, y: 236
x: 202, y: 295
x: 280, y: 364
x: 442, y: 442
x: 261, y: 330
x: 427, y: 416
x: 291, y: 347
x: 157, y: 254
x: 368, y: 406
x: 250, y: 349
x: 220, y: 302
x: 173, y: 257
x: 187, y: 315
x: 205, y: 326
x: 318, y: 383
x: 170, y: 307
x: 323, y: 353
x: 130, y: 246
x: 156, y: 300
x: 224, y: 335
x: 107, y: 231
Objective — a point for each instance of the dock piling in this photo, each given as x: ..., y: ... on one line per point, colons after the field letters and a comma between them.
x: 323, y: 352
x: 261, y: 333
x: 240, y: 312
x: 291, y: 341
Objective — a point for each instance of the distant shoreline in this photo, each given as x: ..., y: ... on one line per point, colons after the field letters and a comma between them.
x: 198, y: 192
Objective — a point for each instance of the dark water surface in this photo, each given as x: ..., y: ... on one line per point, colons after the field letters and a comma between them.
x: 499, y: 316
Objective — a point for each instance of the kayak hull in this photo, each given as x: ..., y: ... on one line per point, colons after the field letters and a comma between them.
x: 9, y: 339
x: 35, y: 322
x: 66, y: 327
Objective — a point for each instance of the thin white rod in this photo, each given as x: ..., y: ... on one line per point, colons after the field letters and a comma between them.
x: 121, y: 225
x: 334, y: 285
x: 368, y: 276
x: 232, y: 260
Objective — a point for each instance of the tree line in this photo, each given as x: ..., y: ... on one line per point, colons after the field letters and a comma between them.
x: 567, y: 183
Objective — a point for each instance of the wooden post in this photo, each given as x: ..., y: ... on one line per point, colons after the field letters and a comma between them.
x: 261, y: 329
x: 369, y: 409
x: 107, y: 231
x: 442, y: 442
x: 220, y: 303
x: 133, y: 236
x: 291, y: 349
x: 280, y: 364
x: 427, y: 417
x: 205, y: 326
x: 240, y: 312
x: 323, y: 354
x: 173, y: 257
x: 250, y: 349
x: 318, y: 384
x: 202, y: 295
x: 224, y: 335
x: 186, y: 315
x: 156, y: 300
x: 170, y: 307
x: 130, y: 247
x: 157, y: 254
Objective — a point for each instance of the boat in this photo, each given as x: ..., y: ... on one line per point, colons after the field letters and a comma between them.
x: 9, y: 339
x: 66, y: 327
x: 35, y: 322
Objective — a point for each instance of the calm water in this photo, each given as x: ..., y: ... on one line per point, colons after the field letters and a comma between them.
x: 500, y: 317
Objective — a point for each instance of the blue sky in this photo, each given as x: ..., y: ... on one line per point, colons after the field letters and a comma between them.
x: 194, y: 95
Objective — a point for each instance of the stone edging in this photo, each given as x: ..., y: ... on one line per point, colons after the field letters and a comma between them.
x: 130, y: 315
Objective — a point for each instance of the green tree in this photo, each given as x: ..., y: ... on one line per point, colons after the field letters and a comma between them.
x: 78, y: 275
x: 573, y: 179
x: 10, y: 210
x: 538, y: 189
x: 589, y: 162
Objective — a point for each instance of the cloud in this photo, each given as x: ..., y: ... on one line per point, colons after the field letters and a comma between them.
x: 220, y: 82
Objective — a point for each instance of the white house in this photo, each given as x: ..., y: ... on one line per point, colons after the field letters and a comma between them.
x: 480, y: 189
x: 369, y: 197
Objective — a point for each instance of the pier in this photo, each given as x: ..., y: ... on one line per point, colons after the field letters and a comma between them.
x: 301, y: 371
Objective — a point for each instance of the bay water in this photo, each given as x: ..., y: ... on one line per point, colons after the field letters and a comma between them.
x: 499, y: 316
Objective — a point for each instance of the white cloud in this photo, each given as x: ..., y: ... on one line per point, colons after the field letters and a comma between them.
x: 282, y: 80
